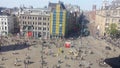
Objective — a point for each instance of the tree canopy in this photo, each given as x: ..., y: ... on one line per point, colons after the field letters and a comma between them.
x: 112, y: 30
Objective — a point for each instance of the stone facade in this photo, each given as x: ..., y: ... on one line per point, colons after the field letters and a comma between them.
x: 6, y: 24
x: 104, y: 17
x: 35, y: 20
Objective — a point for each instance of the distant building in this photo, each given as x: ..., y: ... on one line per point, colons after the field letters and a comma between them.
x: 107, y: 15
x: 52, y: 6
x: 36, y: 21
x: 73, y: 18
x: 74, y: 9
x: 6, y: 24
x: 92, y: 14
x: 58, y: 24
x: 64, y: 19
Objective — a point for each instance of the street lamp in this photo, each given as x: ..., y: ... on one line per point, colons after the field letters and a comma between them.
x: 81, y: 33
x: 0, y: 44
x: 43, y: 42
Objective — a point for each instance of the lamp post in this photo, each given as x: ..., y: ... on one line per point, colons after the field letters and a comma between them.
x: 81, y: 30
x: 0, y: 43
x: 42, y: 53
x: 81, y: 38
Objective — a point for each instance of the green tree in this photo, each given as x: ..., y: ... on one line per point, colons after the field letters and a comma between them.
x: 112, y: 30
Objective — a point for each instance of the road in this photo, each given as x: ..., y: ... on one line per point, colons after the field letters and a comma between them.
x: 91, y: 52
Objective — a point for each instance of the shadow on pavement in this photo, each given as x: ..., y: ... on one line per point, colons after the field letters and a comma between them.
x: 113, y: 62
x: 14, y: 47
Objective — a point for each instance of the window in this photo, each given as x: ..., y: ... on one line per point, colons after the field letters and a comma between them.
x: 28, y: 17
x: 5, y: 23
x: 39, y: 23
x: 23, y: 22
x: 44, y: 28
x: 44, y: 23
x: 119, y: 20
x: 5, y: 28
x: 20, y: 17
x: 28, y: 22
x: 118, y: 27
x: 46, y: 12
x: 39, y: 28
x: 35, y: 28
x: 44, y: 33
x: 48, y: 19
x: 39, y: 18
x: 44, y: 18
x: 25, y: 17
x: 106, y: 24
x: 33, y: 23
x: 35, y: 18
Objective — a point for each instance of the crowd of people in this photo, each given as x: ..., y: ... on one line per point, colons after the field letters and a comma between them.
x: 114, y: 42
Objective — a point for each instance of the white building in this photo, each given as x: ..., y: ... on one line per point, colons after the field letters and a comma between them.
x: 38, y: 19
x: 6, y: 24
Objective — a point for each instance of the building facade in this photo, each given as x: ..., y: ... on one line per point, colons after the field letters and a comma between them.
x: 6, y: 24
x: 58, y: 22
x: 64, y: 19
x: 73, y: 18
x: 36, y: 21
x: 107, y: 15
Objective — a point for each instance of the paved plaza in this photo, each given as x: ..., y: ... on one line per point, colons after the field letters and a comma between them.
x: 87, y: 52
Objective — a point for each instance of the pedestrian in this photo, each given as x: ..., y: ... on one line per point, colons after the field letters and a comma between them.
x: 65, y: 57
x: 2, y: 58
x: 25, y: 63
x: 71, y: 58
x: 62, y: 51
x: 28, y: 48
x: 15, y: 64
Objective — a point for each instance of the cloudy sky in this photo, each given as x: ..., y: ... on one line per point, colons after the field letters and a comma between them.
x: 84, y: 4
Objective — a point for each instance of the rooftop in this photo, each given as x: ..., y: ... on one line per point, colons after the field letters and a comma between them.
x: 35, y: 11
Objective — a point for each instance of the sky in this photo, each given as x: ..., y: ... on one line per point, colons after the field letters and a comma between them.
x: 84, y: 4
